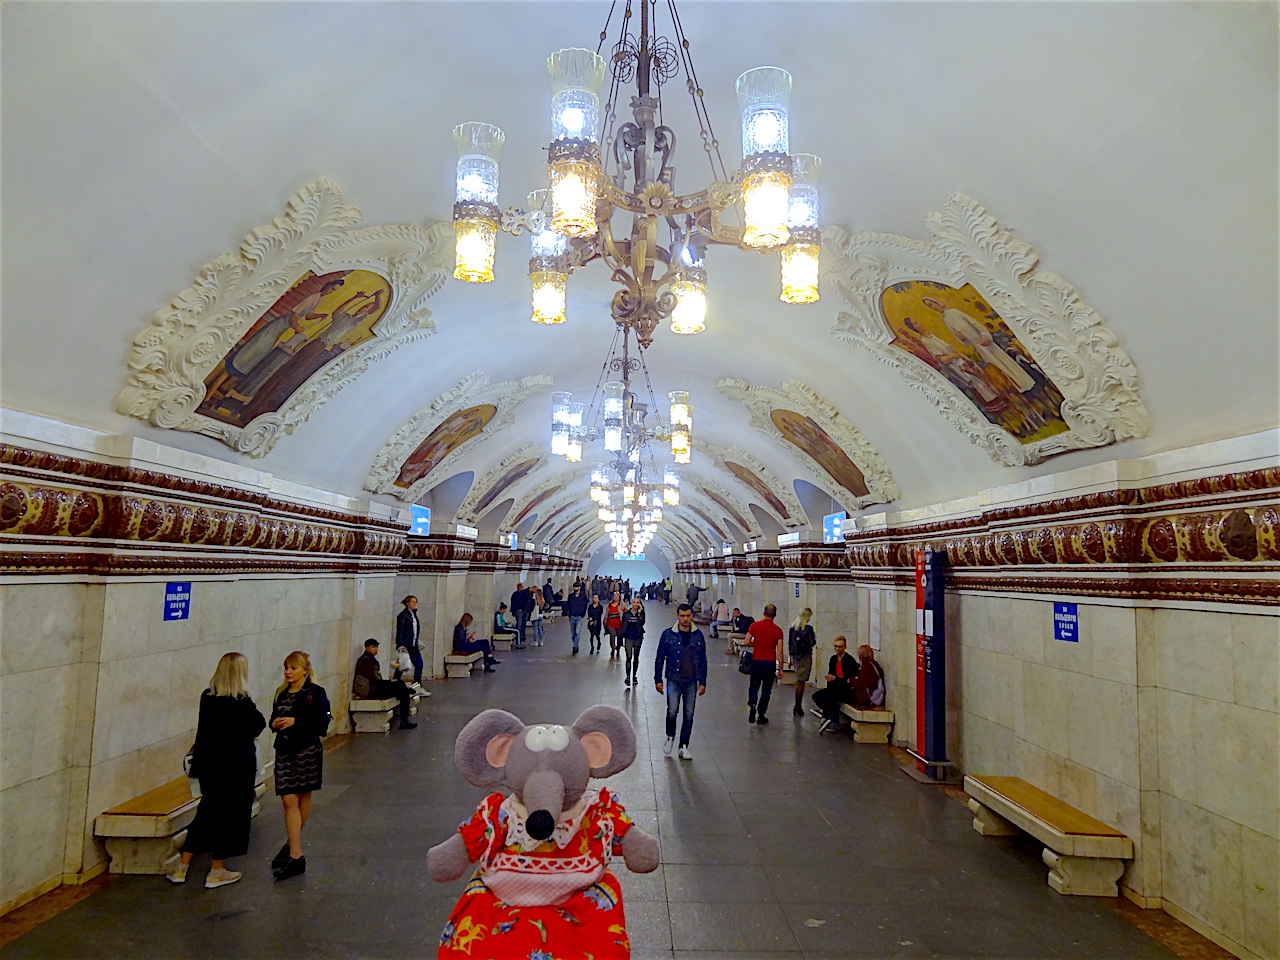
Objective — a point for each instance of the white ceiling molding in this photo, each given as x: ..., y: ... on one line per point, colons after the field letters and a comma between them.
x: 472, y: 391
x: 1065, y: 336
x: 548, y: 488
x: 796, y: 396
x: 186, y: 340
x: 726, y: 505
x: 552, y: 517
x: 785, y: 505
x: 498, y: 483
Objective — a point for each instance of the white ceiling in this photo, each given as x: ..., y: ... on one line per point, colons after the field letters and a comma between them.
x: 1133, y: 145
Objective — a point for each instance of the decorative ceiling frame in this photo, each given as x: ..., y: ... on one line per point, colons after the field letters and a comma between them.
x: 480, y: 489
x: 740, y: 513
x: 797, y: 395
x: 700, y: 514
x: 694, y: 498
x: 471, y: 391
x: 513, y: 518
x: 183, y: 343
x: 721, y: 457
x: 688, y: 534
x: 551, y: 515
x: 1065, y: 336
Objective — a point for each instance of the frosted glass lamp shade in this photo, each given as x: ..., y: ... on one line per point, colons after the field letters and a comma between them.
x: 800, y: 273
x: 612, y: 406
x: 690, y: 312
x: 802, y: 210
x: 474, y: 242
x: 478, y: 147
x: 576, y: 75
x: 766, y: 204
x: 575, y: 184
x: 764, y: 94
x: 548, y: 296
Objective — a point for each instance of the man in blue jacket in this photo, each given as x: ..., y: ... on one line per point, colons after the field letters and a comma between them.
x: 681, y: 666
x: 576, y: 608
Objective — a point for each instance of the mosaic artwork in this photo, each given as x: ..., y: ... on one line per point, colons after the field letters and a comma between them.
x: 317, y: 320
x: 959, y: 335
x: 503, y: 483
x: 760, y: 487
x: 453, y: 432
x: 803, y: 432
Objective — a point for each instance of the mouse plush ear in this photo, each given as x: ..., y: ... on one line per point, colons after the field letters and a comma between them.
x: 480, y: 752
x: 608, y: 737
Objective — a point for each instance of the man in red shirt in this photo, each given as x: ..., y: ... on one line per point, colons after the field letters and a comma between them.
x: 765, y: 638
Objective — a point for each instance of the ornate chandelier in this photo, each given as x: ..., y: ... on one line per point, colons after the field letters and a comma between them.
x: 628, y: 170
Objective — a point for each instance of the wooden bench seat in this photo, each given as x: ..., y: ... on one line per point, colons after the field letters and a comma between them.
x: 144, y: 834
x: 458, y: 665
x: 1085, y: 856
x: 870, y: 724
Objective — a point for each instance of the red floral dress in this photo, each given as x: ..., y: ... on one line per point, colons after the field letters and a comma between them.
x: 553, y: 899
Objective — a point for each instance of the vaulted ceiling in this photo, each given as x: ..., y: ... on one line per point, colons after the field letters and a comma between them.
x: 1133, y: 146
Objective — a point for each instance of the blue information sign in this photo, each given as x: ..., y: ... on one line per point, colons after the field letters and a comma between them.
x: 177, y: 601
x: 832, y: 528
x: 420, y: 526
x: 1066, y: 622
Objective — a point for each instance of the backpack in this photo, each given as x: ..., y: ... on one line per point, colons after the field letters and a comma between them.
x: 800, y: 643
x: 877, y: 695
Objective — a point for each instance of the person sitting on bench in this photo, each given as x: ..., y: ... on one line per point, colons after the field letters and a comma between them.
x: 839, y: 689
x: 369, y: 684
x: 503, y: 628
x: 720, y: 618
x: 464, y: 641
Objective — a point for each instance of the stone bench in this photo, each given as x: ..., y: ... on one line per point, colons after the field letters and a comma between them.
x: 457, y: 666
x: 870, y: 724
x: 1085, y: 856
x: 145, y: 834
x: 738, y: 641
x: 502, y: 644
x: 374, y: 716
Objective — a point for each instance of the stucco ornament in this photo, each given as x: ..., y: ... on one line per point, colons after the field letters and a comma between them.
x: 722, y: 457
x: 846, y: 441
x: 555, y: 515
x: 711, y: 492
x: 172, y: 358
x: 555, y: 482
x: 1065, y: 337
x: 497, y: 485
x: 472, y: 391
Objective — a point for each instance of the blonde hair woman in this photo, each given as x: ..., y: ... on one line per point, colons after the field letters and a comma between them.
x: 223, y: 759
x: 800, y: 644
x: 300, y: 717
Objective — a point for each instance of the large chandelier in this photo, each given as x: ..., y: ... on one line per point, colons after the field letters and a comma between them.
x: 597, y: 169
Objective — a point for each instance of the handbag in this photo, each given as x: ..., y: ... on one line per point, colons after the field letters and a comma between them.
x: 744, y: 662
x: 193, y: 783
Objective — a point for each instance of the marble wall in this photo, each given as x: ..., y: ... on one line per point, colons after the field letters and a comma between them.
x: 100, y: 693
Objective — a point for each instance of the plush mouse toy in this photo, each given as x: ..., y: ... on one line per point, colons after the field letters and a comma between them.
x: 543, y: 889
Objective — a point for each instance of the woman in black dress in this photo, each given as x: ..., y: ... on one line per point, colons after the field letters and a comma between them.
x: 595, y: 614
x: 225, y: 762
x: 300, y: 717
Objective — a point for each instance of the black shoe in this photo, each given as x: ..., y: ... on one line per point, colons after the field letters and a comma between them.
x: 281, y: 858
x: 751, y: 715
x: 494, y: 661
x: 762, y: 719
x: 575, y: 651
x: 798, y: 711
x: 489, y: 669
x: 292, y: 868
x: 407, y: 724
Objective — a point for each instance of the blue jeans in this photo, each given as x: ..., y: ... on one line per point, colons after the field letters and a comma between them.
x: 678, y: 691
x: 537, y: 631
x: 522, y: 619
x: 575, y: 630
x: 415, y: 654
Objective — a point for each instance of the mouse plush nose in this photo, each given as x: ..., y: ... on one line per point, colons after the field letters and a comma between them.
x: 540, y: 825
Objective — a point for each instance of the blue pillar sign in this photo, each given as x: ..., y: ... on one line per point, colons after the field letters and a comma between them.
x: 931, y: 661
x: 1066, y: 622
x: 177, y: 601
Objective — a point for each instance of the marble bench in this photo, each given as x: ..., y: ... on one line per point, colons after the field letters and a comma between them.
x: 145, y: 834
x: 374, y: 716
x: 502, y: 644
x: 1085, y: 856
x: 458, y: 665
x: 870, y: 724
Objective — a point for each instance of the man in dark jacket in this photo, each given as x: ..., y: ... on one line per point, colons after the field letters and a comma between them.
x: 369, y: 684
x: 839, y: 689
x: 407, y: 633
x: 521, y: 606
x: 576, y: 608
x: 680, y: 668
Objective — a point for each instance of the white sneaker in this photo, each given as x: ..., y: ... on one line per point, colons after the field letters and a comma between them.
x: 178, y: 874
x: 686, y: 753
x: 220, y: 878
x: 668, y: 746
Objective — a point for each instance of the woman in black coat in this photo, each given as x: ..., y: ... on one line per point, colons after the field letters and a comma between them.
x: 595, y: 613
x: 225, y: 762
x: 632, y: 636
x: 300, y: 717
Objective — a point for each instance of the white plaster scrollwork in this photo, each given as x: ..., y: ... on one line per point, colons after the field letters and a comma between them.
x: 185, y: 341
x: 1065, y: 336
x: 471, y: 391
x: 721, y: 457
x: 513, y: 518
x: 471, y: 510
x: 798, y: 396
x: 555, y: 515
x: 739, y: 514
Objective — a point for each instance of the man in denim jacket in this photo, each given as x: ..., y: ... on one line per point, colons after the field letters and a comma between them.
x: 681, y: 666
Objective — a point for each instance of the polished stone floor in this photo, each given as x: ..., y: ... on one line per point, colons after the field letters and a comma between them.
x: 775, y: 843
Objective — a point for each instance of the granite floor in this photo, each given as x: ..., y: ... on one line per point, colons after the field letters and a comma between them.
x: 776, y: 843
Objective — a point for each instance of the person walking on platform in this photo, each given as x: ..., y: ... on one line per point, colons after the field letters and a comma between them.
x: 632, y: 638
x: 575, y: 609
x: 613, y: 623
x: 300, y: 718
x: 536, y: 616
x: 679, y: 670
x: 800, y: 644
x: 839, y: 689
x: 225, y: 762
x: 408, y: 632
x: 595, y: 618
x: 765, y: 638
